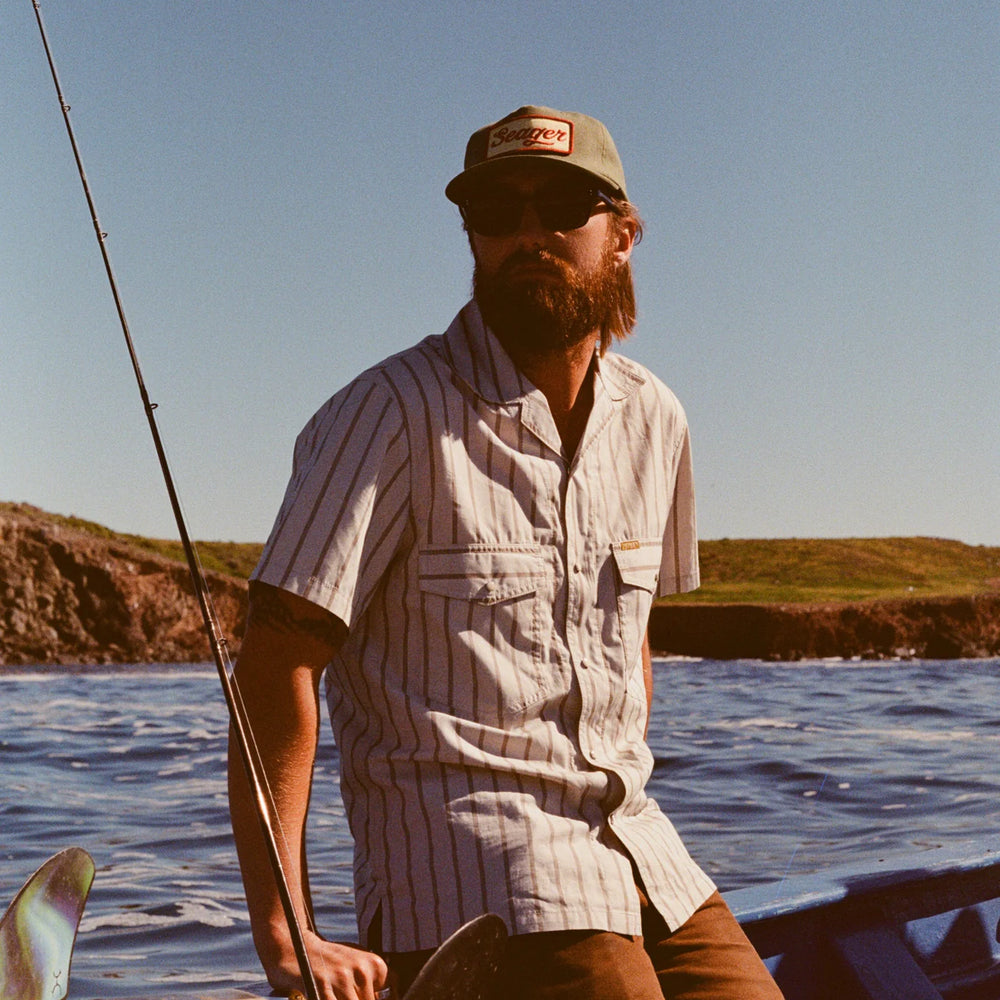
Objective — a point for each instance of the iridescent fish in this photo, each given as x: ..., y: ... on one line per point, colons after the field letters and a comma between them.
x: 38, y: 930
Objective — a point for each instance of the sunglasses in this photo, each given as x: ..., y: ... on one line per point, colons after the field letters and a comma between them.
x: 501, y: 214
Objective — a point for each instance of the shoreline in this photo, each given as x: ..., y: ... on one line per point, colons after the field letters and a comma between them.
x: 945, y: 628
x: 72, y: 597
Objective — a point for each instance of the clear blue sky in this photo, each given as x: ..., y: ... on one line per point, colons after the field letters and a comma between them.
x: 819, y: 283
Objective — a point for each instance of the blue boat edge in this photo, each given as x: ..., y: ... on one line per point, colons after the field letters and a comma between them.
x: 921, y: 926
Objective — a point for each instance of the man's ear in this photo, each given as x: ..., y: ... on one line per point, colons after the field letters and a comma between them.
x: 624, y: 240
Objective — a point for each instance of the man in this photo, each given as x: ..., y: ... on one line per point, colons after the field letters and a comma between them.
x: 471, y: 540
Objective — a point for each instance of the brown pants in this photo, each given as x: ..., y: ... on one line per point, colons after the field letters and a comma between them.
x: 709, y: 958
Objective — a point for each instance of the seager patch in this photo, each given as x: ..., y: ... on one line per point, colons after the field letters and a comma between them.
x: 530, y: 135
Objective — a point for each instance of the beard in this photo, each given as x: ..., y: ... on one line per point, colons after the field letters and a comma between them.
x: 534, y: 316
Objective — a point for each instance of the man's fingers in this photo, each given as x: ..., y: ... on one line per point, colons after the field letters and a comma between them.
x: 374, y: 981
x: 346, y: 972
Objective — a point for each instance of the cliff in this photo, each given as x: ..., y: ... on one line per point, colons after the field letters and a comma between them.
x: 70, y: 595
x: 942, y: 628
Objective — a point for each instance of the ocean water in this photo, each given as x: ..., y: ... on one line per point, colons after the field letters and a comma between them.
x: 768, y: 770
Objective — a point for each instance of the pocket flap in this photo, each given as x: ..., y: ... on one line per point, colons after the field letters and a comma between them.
x: 486, y: 575
x: 638, y: 562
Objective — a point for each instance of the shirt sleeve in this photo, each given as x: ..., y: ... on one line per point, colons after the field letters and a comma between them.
x: 345, y: 508
x: 679, y: 571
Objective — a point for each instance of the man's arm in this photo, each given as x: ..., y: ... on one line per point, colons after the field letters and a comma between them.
x: 288, y: 643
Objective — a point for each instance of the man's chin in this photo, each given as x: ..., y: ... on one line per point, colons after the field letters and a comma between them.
x: 534, y: 309
x: 533, y: 334
x: 534, y: 271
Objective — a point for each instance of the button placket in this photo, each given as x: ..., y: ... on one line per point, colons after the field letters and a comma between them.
x: 571, y: 555
x: 589, y: 677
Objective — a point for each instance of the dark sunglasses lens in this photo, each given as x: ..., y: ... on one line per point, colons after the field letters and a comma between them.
x: 502, y: 216
x: 562, y: 214
x: 493, y: 216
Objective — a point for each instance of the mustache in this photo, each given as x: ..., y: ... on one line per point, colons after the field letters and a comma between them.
x: 532, y: 258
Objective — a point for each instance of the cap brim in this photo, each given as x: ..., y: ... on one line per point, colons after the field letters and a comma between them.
x: 478, y: 176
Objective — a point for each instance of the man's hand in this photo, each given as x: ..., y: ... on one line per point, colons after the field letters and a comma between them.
x: 342, y: 971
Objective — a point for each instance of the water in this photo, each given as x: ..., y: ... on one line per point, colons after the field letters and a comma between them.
x: 768, y: 770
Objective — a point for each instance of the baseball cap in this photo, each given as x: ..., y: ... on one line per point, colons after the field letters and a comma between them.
x: 530, y: 133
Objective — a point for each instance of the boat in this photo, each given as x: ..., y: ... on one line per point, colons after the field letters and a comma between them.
x: 923, y: 927
x: 919, y: 927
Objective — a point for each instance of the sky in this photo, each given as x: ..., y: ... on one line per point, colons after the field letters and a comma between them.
x: 819, y: 281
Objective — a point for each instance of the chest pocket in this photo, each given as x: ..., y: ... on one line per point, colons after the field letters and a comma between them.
x: 637, y: 574
x: 486, y: 629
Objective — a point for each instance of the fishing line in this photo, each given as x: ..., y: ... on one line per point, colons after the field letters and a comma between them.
x: 791, y: 860
x: 248, y: 750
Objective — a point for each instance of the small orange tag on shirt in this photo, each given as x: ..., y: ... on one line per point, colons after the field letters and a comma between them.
x: 630, y: 545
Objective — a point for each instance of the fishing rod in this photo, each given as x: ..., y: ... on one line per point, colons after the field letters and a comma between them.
x: 248, y: 752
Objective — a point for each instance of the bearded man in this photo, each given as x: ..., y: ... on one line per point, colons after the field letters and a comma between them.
x: 469, y: 546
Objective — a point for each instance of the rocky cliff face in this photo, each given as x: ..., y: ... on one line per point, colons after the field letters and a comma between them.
x: 946, y: 628
x: 67, y: 596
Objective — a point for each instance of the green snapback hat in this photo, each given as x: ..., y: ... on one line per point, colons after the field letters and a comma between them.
x: 530, y: 133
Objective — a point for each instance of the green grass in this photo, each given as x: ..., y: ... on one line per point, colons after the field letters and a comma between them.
x: 812, y: 570
x: 744, y: 571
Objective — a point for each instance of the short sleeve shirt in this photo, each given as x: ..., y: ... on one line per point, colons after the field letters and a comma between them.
x: 489, y: 703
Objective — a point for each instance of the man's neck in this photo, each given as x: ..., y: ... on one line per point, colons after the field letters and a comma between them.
x: 565, y: 378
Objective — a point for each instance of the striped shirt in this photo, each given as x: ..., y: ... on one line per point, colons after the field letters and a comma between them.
x: 489, y: 704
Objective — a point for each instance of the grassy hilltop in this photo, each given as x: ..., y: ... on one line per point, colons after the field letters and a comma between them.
x: 811, y: 570
x: 751, y: 571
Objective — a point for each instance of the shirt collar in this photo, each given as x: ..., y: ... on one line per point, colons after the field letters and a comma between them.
x: 619, y: 377
x: 480, y: 360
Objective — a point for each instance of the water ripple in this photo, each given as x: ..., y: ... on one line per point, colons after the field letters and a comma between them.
x: 767, y: 770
